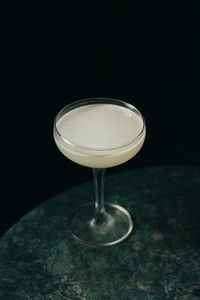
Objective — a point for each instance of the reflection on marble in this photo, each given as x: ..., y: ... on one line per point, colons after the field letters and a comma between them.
x: 161, y: 260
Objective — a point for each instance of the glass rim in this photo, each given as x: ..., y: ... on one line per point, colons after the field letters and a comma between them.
x: 92, y: 100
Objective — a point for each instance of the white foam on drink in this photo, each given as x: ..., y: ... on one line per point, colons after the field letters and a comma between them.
x: 100, y: 126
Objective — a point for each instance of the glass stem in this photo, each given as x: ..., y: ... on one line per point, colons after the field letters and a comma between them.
x: 99, y: 216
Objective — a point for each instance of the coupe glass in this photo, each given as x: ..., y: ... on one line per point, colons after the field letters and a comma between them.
x: 98, y: 224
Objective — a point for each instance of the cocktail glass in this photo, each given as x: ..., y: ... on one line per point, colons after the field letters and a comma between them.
x: 99, y: 133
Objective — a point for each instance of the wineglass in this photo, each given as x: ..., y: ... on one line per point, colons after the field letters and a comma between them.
x: 99, y: 133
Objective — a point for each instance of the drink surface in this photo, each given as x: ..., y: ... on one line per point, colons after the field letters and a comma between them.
x: 104, y: 128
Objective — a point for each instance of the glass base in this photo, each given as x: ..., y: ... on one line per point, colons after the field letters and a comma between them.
x: 113, y: 228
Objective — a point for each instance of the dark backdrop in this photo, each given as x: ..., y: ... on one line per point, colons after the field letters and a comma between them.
x: 146, y: 54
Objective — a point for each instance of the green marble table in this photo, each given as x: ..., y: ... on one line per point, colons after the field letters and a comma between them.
x: 161, y: 260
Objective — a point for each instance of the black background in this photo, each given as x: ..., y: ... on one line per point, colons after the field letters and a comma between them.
x: 147, y: 54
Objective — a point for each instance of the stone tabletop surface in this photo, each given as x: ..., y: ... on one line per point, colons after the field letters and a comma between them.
x: 161, y: 259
